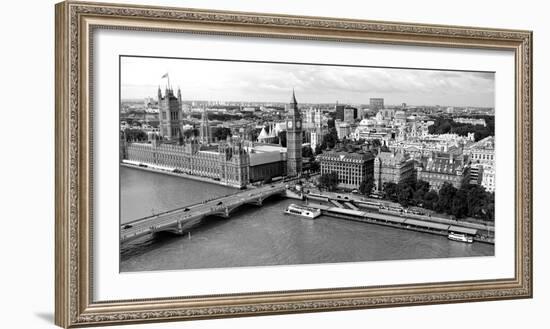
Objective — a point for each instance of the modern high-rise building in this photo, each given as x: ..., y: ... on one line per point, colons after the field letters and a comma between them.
x: 339, y: 110
x: 350, y: 114
x: 170, y: 114
x: 376, y: 103
x: 294, y: 138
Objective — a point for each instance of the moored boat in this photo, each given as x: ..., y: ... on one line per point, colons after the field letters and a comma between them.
x: 303, y: 211
x: 460, y: 237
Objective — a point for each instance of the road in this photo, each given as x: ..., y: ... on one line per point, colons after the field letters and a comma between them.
x: 184, y: 216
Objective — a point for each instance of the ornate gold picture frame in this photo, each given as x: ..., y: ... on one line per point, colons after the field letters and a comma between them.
x: 75, y: 25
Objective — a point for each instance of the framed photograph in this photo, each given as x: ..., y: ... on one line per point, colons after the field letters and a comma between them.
x: 216, y: 164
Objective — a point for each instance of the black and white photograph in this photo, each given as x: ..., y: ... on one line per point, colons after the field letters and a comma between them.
x: 231, y: 163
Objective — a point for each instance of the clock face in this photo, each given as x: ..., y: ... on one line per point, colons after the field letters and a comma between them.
x: 290, y: 124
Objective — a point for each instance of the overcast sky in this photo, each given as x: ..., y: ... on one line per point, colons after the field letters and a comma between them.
x: 271, y: 82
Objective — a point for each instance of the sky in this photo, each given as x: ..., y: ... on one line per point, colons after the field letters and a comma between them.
x: 273, y: 82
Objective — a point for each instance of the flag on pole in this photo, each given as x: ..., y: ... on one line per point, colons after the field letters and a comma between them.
x: 168, y: 77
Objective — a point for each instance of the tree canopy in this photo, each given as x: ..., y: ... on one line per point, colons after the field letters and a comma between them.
x: 467, y: 201
x: 329, y: 181
x: 221, y: 133
x: 447, y: 125
x: 367, y: 185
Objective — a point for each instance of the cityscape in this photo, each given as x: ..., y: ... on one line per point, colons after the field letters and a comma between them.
x: 209, y: 183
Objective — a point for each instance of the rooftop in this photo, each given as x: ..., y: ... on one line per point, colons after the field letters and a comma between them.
x: 392, y: 157
x: 443, y: 164
x: 346, y: 156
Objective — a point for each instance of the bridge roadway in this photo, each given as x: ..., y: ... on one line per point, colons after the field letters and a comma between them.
x: 180, y: 219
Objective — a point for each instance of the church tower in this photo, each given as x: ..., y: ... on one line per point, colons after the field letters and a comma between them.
x: 293, y: 138
x: 205, y: 133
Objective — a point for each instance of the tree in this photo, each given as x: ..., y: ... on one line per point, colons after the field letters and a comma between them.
x: 489, y: 214
x: 446, y: 195
x: 221, y: 133
x: 314, y: 167
x: 133, y: 135
x: 190, y: 133
x: 430, y: 200
x: 404, y: 193
x: 330, y: 139
x: 282, y: 138
x: 476, y: 200
x: 318, y: 149
x: 307, y: 152
x: 479, y: 203
x: 447, y: 125
x: 421, y: 188
x: 375, y: 143
x: 459, y: 207
x: 367, y: 185
x: 254, y: 133
x: 390, y: 191
x: 329, y: 181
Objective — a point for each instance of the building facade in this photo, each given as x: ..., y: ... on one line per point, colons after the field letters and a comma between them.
x: 444, y: 168
x: 170, y: 116
x: 483, y: 151
x: 376, y: 103
x: 313, y: 119
x: 294, y: 138
x: 471, y: 121
x: 488, y: 178
x: 316, y: 138
x: 350, y: 114
x: 476, y: 174
x: 352, y: 168
x: 482, y: 156
x: 205, y: 132
x: 228, y: 163
x: 343, y: 129
x: 392, y: 167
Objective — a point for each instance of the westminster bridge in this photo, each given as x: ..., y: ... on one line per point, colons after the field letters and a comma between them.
x: 181, y: 219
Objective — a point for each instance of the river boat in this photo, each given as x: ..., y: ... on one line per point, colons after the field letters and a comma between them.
x: 460, y: 237
x: 303, y: 211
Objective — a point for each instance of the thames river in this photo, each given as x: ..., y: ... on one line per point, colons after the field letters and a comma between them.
x: 260, y: 236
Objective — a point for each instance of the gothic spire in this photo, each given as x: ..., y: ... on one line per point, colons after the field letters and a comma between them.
x: 293, y: 100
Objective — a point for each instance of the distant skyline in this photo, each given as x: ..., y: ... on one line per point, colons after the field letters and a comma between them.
x: 273, y: 82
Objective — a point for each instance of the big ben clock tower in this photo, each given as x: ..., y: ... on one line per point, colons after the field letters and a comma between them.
x: 293, y: 139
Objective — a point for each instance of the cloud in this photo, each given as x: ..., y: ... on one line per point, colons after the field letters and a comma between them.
x: 252, y: 81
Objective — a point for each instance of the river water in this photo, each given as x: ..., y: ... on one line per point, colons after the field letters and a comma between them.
x: 259, y: 236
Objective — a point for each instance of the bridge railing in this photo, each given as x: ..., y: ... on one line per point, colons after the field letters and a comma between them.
x: 168, y: 219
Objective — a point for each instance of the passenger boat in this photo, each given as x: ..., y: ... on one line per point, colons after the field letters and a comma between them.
x: 303, y: 211
x: 460, y: 237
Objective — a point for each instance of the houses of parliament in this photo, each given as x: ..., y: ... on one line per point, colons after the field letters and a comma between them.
x: 234, y: 162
